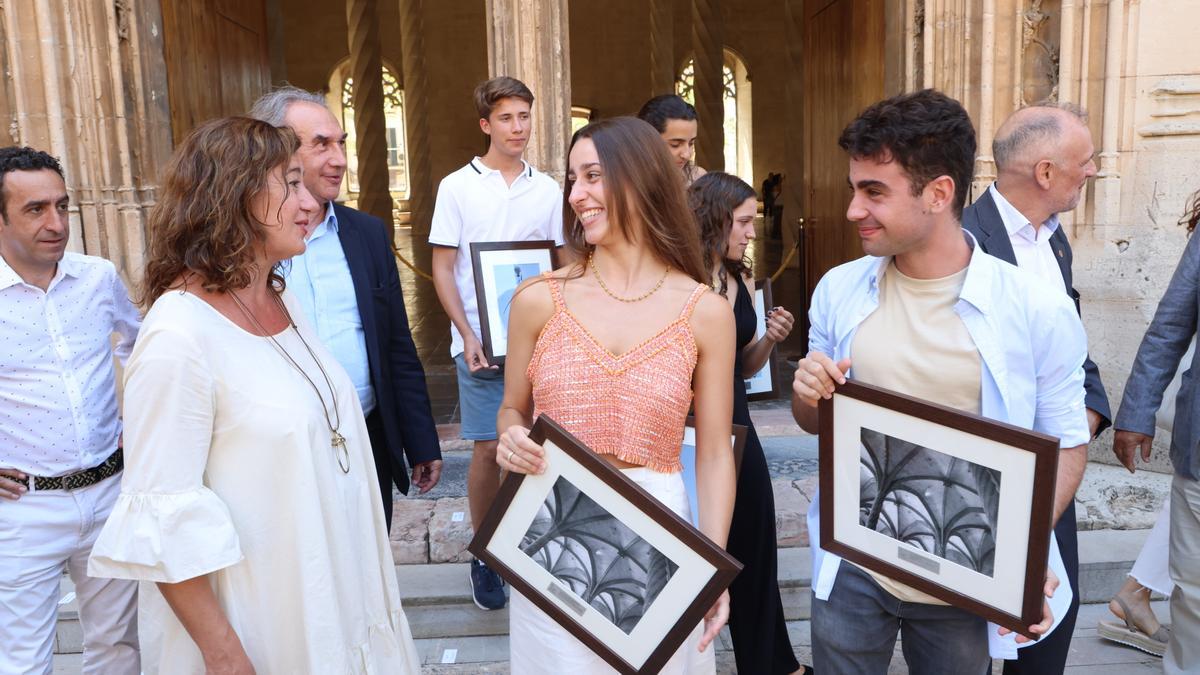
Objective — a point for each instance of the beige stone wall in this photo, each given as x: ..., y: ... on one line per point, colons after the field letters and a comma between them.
x: 1124, y: 261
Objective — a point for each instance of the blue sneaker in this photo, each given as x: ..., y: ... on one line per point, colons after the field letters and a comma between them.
x: 487, y: 588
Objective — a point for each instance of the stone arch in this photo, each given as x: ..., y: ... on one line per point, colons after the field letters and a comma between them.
x: 338, y: 98
x: 738, y: 145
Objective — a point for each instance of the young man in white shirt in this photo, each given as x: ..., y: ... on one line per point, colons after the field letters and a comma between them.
x: 928, y: 314
x: 60, y: 459
x: 497, y: 197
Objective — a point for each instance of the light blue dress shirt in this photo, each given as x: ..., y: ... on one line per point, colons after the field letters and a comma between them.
x: 1031, y: 347
x: 320, y: 279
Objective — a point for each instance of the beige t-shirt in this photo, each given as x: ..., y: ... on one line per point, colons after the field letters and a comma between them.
x: 915, y: 343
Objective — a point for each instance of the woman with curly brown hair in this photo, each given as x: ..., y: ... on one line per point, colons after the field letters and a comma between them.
x: 725, y: 208
x: 249, y: 495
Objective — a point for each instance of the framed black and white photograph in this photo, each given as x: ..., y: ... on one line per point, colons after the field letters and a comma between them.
x: 687, y: 457
x: 620, y: 571
x: 955, y: 505
x: 500, y: 267
x: 765, y: 383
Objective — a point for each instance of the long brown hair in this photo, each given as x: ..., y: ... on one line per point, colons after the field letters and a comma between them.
x: 641, y: 183
x: 202, y: 222
x: 712, y: 198
x: 1191, y: 213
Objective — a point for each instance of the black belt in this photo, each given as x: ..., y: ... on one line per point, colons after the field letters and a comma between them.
x: 80, y: 479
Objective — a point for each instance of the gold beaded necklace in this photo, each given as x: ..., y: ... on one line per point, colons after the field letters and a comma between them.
x: 337, y: 440
x: 614, y: 296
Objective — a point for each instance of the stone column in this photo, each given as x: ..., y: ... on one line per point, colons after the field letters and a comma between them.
x: 1108, y: 179
x: 929, y: 10
x: 81, y: 81
x: 985, y: 163
x: 370, y: 127
x: 528, y: 40
x: 793, y: 193
x: 416, y: 126
x: 277, y: 42
x: 662, y: 47
x: 707, y: 47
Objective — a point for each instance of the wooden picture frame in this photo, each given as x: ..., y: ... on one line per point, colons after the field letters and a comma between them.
x: 499, y: 268
x: 687, y: 457
x: 541, y: 529
x: 952, y: 504
x: 764, y: 384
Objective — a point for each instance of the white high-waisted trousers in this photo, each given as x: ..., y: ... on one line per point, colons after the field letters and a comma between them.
x: 1151, y: 567
x: 537, y: 644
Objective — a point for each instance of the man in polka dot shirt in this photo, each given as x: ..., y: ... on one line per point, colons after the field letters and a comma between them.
x: 59, y: 427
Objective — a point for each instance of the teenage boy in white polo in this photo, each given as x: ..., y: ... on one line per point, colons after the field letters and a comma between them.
x: 497, y: 197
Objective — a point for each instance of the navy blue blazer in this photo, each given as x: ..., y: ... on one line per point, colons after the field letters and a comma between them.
x: 396, y: 373
x: 983, y: 220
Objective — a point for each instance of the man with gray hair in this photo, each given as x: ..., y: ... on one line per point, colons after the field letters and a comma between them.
x: 1043, y: 161
x: 347, y: 282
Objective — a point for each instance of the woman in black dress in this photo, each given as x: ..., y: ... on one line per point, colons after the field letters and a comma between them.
x: 725, y: 207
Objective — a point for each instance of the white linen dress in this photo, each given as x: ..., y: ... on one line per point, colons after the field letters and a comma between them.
x: 230, y: 472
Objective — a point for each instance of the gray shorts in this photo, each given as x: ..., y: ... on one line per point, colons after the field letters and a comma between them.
x: 479, y: 396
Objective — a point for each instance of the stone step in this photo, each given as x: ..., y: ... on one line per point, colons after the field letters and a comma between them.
x: 447, y: 584
x: 454, y: 656
x: 437, y: 598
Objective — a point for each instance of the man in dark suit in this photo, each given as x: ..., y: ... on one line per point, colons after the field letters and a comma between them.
x: 346, y: 280
x: 1043, y: 160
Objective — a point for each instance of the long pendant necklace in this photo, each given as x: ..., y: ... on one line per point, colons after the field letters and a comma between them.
x: 337, y: 440
x: 643, y: 296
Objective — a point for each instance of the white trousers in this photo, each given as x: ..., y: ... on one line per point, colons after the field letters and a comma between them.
x: 539, y: 646
x: 42, y: 533
x: 1150, y: 568
x: 1183, y: 651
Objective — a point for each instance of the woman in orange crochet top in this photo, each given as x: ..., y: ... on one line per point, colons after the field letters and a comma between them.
x: 615, y: 347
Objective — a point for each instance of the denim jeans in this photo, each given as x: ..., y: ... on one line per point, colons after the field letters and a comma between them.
x: 854, y: 632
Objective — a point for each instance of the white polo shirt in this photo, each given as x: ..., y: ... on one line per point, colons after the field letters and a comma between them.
x: 475, y: 204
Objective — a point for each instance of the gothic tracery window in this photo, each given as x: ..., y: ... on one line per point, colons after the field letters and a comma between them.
x: 736, y: 99
x: 342, y: 90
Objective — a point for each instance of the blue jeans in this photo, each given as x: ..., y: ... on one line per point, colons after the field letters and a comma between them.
x: 854, y: 632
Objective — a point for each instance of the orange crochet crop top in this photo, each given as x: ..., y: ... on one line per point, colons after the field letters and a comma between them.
x: 633, y: 406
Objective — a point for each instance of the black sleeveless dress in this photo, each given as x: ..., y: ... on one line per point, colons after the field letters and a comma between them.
x: 756, y: 623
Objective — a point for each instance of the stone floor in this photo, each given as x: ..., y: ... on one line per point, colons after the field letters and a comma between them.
x: 455, y: 654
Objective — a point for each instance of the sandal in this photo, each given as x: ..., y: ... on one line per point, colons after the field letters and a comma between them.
x: 1131, y: 635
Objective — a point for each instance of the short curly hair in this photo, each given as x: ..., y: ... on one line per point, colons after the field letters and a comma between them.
x: 23, y: 158
x: 927, y: 132
x: 202, y: 222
